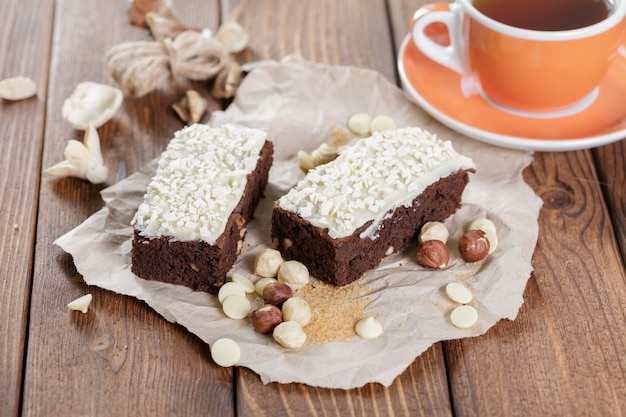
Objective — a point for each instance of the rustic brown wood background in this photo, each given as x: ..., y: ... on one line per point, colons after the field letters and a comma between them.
x: 564, y: 355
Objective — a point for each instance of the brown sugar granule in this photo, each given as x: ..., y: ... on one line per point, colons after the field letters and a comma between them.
x: 335, y: 311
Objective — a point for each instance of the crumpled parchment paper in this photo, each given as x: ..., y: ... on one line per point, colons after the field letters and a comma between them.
x: 300, y: 105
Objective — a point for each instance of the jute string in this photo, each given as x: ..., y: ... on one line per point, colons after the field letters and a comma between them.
x: 140, y: 66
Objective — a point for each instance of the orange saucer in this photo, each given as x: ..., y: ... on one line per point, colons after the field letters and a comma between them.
x: 438, y: 91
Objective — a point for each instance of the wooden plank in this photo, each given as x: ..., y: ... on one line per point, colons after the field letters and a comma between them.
x: 566, y: 348
x: 611, y: 164
x: 421, y: 391
x: 339, y: 33
x: 120, y: 358
x: 25, y: 44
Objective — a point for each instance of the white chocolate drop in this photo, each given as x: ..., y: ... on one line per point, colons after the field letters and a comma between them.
x: 236, y: 307
x: 359, y: 124
x: 225, y: 352
x: 464, y: 316
x: 381, y: 123
x: 459, y: 293
x: 228, y: 289
x: 260, y: 285
x: 244, y: 281
x: 369, y: 328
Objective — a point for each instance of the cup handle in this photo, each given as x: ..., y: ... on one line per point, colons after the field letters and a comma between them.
x: 450, y: 56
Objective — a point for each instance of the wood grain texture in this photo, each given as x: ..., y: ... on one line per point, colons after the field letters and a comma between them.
x: 609, y: 161
x: 566, y: 348
x: 420, y: 391
x: 338, y: 33
x: 121, y: 358
x: 25, y: 44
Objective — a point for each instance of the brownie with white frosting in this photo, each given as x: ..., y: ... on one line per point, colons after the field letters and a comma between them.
x: 345, y: 216
x: 190, y: 227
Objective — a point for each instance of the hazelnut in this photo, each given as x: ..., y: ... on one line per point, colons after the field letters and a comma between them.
x: 432, y: 254
x: 276, y: 293
x: 297, y: 309
x: 265, y: 318
x: 489, y: 228
x: 267, y: 263
x: 434, y: 231
x: 289, y: 334
x: 473, y: 246
x: 260, y: 285
x: 293, y: 273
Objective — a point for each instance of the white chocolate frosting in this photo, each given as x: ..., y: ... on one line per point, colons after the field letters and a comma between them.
x: 200, y: 179
x: 372, y: 178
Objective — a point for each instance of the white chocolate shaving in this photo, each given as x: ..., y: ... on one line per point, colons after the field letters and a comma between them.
x: 91, y: 104
x: 82, y: 160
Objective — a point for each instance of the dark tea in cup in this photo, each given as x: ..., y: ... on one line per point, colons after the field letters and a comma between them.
x: 547, y: 15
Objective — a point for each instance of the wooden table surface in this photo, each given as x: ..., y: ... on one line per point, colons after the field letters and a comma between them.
x: 564, y: 355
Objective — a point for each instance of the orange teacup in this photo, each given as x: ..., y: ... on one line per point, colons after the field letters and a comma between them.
x: 522, y: 69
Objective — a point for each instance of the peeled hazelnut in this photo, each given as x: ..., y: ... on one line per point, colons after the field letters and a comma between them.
x: 289, y: 334
x: 267, y: 263
x: 277, y: 293
x: 297, y: 309
x: 474, y: 246
x: 434, y: 231
x: 433, y: 254
x: 293, y: 273
x: 265, y: 318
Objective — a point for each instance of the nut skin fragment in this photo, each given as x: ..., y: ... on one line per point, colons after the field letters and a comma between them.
x: 432, y: 254
x: 17, y: 88
x: 191, y: 107
x: 473, y: 246
x: 91, y: 104
x: 267, y: 263
x: 277, y: 293
x: 293, y: 273
x: 297, y: 309
x: 289, y: 334
x: 83, y: 160
x: 81, y: 303
x: 266, y: 318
